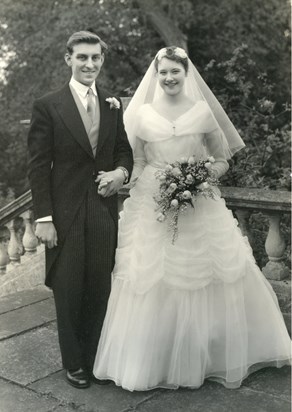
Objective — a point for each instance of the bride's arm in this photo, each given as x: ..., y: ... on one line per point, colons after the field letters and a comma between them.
x: 214, y: 147
x: 139, y: 160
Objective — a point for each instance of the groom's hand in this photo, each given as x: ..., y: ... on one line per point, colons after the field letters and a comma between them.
x: 47, y: 234
x: 110, y: 183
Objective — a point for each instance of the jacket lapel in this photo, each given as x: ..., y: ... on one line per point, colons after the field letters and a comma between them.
x: 105, y: 116
x: 69, y: 112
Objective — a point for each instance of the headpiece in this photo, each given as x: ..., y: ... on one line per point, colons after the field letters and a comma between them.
x: 171, y: 51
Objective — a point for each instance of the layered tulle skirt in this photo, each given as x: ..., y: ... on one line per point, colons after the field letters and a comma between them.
x: 180, y: 313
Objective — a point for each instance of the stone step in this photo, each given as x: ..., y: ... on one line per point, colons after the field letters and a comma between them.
x: 31, y: 356
x: 14, y: 398
x: 24, y: 298
x: 26, y: 318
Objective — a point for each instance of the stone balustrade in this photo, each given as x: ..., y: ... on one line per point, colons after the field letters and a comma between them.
x: 17, y: 226
x: 21, y: 253
x: 16, y: 231
x: 273, y: 204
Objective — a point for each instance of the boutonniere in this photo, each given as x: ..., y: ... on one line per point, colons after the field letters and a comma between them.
x: 114, y: 103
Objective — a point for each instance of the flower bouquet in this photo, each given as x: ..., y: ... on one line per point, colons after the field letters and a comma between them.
x: 180, y: 183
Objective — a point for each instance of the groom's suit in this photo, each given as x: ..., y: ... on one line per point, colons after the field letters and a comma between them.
x: 62, y: 170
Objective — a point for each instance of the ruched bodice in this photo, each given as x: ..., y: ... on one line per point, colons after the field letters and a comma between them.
x: 166, y: 141
x: 153, y: 127
x: 160, y: 141
x: 160, y: 153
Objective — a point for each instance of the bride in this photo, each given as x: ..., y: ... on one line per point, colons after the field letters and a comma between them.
x: 200, y: 307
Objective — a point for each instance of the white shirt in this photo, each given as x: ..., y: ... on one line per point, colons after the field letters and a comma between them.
x: 82, y: 90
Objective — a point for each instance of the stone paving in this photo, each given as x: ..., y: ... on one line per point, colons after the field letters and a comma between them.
x: 32, y: 379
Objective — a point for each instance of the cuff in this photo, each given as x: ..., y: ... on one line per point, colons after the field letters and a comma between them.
x: 44, y: 219
x: 126, y: 173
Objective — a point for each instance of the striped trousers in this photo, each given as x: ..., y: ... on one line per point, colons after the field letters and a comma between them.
x: 81, y: 281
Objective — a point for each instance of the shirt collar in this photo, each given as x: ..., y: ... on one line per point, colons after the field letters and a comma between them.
x: 81, y: 89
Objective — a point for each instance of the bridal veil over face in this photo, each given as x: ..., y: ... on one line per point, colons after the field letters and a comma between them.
x: 196, y: 89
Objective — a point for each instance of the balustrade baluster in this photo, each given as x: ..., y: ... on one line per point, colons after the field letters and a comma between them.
x: 14, y: 248
x: 29, y: 240
x: 243, y: 220
x: 275, y: 247
x: 4, y: 258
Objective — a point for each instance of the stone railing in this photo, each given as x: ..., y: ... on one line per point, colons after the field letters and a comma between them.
x: 273, y: 204
x: 16, y: 231
x: 17, y: 227
x: 22, y: 257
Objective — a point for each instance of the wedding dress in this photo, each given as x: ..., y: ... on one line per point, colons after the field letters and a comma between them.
x: 196, y: 309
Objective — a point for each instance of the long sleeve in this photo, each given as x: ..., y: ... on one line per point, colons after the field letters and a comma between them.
x: 123, y: 156
x: 215, y: 149
x: 40, y: 159
x: 140, y: 160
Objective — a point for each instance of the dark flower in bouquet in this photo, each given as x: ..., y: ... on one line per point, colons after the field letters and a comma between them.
x: 180, y: 183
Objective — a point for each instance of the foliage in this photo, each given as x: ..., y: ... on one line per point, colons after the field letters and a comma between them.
x: 220, y: 26
x: 33, y: 36
x: 249, y: 98
x: 6, y: 196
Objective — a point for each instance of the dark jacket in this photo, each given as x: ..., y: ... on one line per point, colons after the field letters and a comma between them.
x: 61, y: 165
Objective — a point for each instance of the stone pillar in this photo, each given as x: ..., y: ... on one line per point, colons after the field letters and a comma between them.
x: 4, y: 258
x: 29, y: 240
x: 275, y: 269
x: 243, y: 216
x: 14, y: 248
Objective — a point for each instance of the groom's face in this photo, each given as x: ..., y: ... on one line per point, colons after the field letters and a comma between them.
x: 85, y: 62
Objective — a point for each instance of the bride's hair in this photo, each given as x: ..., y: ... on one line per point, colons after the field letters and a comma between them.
x: 173, y: 53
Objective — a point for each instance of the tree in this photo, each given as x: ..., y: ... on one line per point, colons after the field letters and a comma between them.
x: 36, y: 56
x: 33, y: 35
x: 163, y: 16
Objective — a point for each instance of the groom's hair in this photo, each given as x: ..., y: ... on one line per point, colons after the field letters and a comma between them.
x: 85, y: 36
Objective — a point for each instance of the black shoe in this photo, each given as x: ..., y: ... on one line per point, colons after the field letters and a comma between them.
x: 78, y: 378
x: 100, y: 381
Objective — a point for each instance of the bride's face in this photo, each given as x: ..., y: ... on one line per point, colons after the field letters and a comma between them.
x: 171, y: 76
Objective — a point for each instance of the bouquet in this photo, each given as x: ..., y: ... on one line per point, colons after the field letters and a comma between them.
x: 180, y: 183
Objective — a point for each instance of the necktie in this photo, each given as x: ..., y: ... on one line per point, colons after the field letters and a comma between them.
x: 90, y: 104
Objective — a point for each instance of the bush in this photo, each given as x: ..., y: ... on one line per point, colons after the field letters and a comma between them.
x: 248, y: 96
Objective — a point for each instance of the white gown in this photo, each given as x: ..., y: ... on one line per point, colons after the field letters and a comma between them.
x: 199, y: 308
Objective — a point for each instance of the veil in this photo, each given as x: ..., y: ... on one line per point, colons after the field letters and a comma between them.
x: 196, y: 89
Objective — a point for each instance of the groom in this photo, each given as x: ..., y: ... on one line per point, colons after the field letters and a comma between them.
x: 79, y: 157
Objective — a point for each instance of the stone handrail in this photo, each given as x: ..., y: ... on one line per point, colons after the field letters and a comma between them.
x: 257, y: 199
x: 22, y: 256
x: 241, y: 200
x: 15, y: 208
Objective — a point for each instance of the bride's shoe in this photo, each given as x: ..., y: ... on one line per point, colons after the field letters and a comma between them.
x: 100, y: 381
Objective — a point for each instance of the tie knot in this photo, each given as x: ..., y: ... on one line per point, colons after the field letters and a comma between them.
x: 90, y: 91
